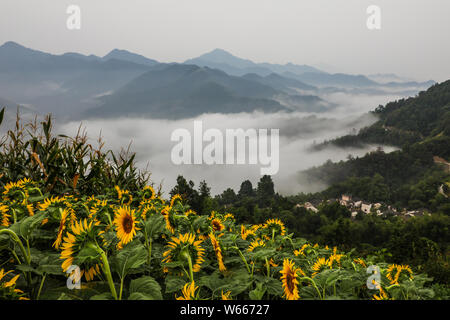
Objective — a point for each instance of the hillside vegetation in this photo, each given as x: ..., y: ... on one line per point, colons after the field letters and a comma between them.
x: 420, y: 126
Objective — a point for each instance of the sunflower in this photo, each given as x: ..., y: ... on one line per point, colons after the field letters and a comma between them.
x: 272, y: 263
x: 95, y: 206
x: 243, y: 232
x: 190, y: 212
x: 175, y: 199
x: 216, y: 245
x: 276, y: 226
x: 146, y: 211
x: 246, y: 233
x: 228, y: 216
x: 319, y: 265
x: 125, y: 222
x: 25, y: 182
x: 124, y: 196
x: 53, y: 201
x: 258, y: 243
x: 217, y: 224
x: 62, y: 227
x: 381, y: 296
x: 398, y: 268
x: 9, y: 283
x: 188, y: 291
x: 226, y: 295
x: 166, y: 211
x: 289, y: 280
x: 335, y: 258
x: 148, y: 193
x: 183, y: 245
x: 30, y: 209
x: 11, y: 188
x: 4, y: 216
x: 301, y: 251
x: 80, y: 236
x: 360, y: 262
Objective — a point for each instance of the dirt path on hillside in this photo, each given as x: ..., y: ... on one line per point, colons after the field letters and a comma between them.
x: 440, y: 160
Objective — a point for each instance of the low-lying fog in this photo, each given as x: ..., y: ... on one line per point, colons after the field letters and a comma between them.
x: 151, y: 140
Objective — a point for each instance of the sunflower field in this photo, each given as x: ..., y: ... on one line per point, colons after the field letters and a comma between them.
x: 136, y: 245
x: 80, y: 223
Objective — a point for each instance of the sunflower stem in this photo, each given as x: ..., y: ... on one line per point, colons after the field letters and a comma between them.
x: 14, y: 215
x: 148, y: 242
x: 106, y: 270
x: 28, y: 247
x: 15, y: 256
x: 150, y: 251
x: 292, y: 244
x: 394, y: 285
x: 314, y: 285
x: 243, y: 259
x: 253, y: 269
x: 191, y: 273
x: 267, y: 268
x: 40, y: 286
x: 14, y: 236
x: 37, y: 189
x: 26, y: 256
x: 121, y: 288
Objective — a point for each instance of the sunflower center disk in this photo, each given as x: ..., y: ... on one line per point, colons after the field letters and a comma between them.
x: 127, y: 224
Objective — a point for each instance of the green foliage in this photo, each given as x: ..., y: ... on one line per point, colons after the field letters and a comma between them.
x: 62, y: 164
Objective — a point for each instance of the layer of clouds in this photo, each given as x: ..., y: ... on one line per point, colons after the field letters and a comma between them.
x: 151, y: 140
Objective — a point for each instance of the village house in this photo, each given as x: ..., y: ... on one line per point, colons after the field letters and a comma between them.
x: 309, y: 206
x: 366, y: 207
x: 356, y: 205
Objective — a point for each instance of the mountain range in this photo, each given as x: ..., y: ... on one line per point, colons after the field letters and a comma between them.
x: 122, y: 83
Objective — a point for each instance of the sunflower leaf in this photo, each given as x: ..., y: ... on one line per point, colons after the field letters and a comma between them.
x: 154, y: 225
x: 86, y: 255
x: 102, y: 296
x: 145, y: 288
x: 174, y: 284
x: 130, y: 257
x: 258, y: 292
x: 27, y: 225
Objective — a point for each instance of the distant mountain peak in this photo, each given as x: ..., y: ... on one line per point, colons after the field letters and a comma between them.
x: 116, y: 51
x: 234, y: 65
x: 129, y: 56
x: 223, y: 55
x: 219, y: 51
x: 11, y: 44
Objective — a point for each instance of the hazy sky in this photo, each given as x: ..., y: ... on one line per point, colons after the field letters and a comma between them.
x: 412, y: 42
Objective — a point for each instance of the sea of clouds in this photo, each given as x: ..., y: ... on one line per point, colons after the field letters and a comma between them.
x: 151, y: 140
